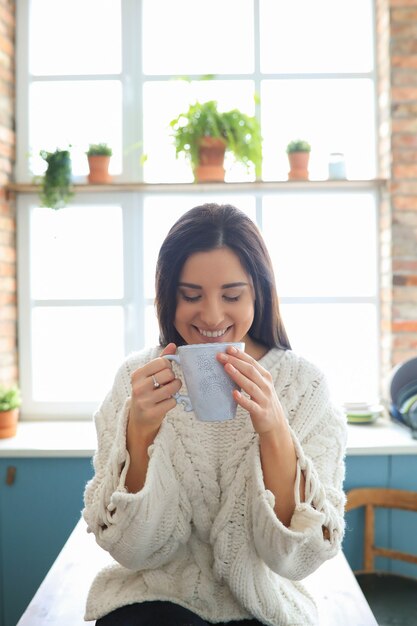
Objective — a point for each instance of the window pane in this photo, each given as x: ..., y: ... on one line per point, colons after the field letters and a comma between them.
x: 193, y: 37
x: 333, y: 115
x: 75, y: 37
x: 342, y: 340
x: 75, y: 114
x: 151, y: 326
x: 164, y: 101
x: 319, y: 36
x: 322, y: 244
x: 77, y: 252
x: 75, y: 352
x: 161, y: 212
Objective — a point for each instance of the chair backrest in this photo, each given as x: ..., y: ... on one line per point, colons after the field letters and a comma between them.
x: 386, y: 498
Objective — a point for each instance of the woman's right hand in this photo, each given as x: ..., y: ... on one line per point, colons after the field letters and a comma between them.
x: 150, y: 404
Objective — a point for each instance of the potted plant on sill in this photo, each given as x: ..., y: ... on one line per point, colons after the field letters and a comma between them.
x: 10, y: 402
x: 298, y: 152
x: 98, y: 155
x: 56, y: 182
x: 204, y: 134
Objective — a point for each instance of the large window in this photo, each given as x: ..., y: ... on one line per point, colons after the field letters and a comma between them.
x: 118, y: 71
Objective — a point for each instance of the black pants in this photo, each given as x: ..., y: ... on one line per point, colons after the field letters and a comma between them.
x: 160, y: 613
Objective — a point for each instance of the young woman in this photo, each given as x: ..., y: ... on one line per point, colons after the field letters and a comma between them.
x: 215, y: 523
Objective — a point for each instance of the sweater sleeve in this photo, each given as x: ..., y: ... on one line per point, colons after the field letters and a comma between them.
x: 316, y: 529
x: 140, y: 530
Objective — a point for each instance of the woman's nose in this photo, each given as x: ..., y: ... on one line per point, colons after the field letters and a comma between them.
x: 212, y: 313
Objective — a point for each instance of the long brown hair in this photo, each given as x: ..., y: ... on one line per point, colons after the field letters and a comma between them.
x: 208, y: 227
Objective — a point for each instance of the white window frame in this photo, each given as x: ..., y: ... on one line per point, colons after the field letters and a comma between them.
x: 131, y: 197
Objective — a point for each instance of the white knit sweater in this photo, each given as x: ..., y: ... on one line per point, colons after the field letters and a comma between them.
x: 202, y: 532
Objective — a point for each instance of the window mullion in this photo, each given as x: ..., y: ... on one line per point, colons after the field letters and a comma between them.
x: 132, y: 87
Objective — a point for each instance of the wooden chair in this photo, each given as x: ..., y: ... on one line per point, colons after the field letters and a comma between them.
x: 392, y: 597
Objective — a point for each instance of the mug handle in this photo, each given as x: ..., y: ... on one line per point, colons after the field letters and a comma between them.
x: 185, y: 400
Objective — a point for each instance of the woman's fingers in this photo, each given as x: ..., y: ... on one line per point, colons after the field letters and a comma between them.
x: 247, y: 367
x: 165, y: 391
x: 248, y: 385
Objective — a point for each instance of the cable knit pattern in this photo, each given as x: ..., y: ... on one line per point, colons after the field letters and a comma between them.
x: 203, y: 532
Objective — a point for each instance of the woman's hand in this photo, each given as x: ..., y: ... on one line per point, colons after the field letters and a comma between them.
x: 278, y: 456
x: 153, y: 386
x: 263, y: 404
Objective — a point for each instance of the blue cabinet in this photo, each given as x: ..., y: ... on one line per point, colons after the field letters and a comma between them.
x: 393, y: 529
x: 38, y: 510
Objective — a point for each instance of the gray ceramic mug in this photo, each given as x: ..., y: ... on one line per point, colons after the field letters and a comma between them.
x: 210, y: 389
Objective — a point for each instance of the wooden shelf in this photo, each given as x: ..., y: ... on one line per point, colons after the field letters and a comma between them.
x: 118, y: 187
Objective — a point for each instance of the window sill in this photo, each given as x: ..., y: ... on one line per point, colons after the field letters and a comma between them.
x: 210, y: 187
x: 78, y: 439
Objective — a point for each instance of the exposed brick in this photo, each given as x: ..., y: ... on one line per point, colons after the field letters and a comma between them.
x: 8, y: 254
x: 7, y: 344
x: 404, y: 171
x: 7, y: 223
x: 404, y: 15
x: 405, y: 203
x: 402, y: 47
x: 399, y: 356
x: 405, y: 265
x: 8, y: 313
x: 407, y: 220
x: 404, y: 140
x: 403, y: 3
x: 402, y: 29
x: 404, y: 311
x: 7, y: 328
x: 404, y: 94
x: 406, y: 280
x: 405, y: 342
x: 404, y: 326
x: 405, y: 78
x: 7, y: 298
x: 404, y: 157
x: 404, y: 61
x: 406, y: 187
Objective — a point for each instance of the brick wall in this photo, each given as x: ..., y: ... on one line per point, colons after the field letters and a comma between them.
x: 8, y: 308
x: 403, y: 53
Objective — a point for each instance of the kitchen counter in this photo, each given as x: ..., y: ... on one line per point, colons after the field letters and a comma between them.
x: 78, y: 439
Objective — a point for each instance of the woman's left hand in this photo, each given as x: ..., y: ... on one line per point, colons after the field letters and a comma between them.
x: 263, y: 403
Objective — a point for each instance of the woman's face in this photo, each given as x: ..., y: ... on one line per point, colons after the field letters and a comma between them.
x: 215, y: 299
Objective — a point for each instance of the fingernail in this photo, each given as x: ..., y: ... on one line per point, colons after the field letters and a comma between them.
x: 222, y: 357
x: 232, y: 349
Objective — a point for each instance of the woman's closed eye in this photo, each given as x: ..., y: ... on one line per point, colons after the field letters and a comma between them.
x: 189, y: 297
x: 231, y: 298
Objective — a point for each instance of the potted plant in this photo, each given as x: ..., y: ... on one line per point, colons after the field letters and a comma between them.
x: 55, y: 183
x: 98, y: 155
x: 298, y: 152
x: 203, y: 134
x: 10, y: 402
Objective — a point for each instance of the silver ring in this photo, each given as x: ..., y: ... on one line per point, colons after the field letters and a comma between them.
x: 156, y: 385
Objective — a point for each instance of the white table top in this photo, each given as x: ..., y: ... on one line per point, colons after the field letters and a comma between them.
x: 60, y: 600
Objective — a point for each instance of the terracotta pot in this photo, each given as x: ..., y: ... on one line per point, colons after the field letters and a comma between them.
x: 211, y: 155
x: 8, y: 423
x: 99, y: 169
x: 298, y: 165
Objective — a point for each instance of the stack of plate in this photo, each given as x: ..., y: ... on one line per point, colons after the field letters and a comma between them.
x: 362, y: 412
x: 403, y: 390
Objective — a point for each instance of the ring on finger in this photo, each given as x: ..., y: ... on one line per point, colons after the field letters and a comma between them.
x: 156, y: 385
